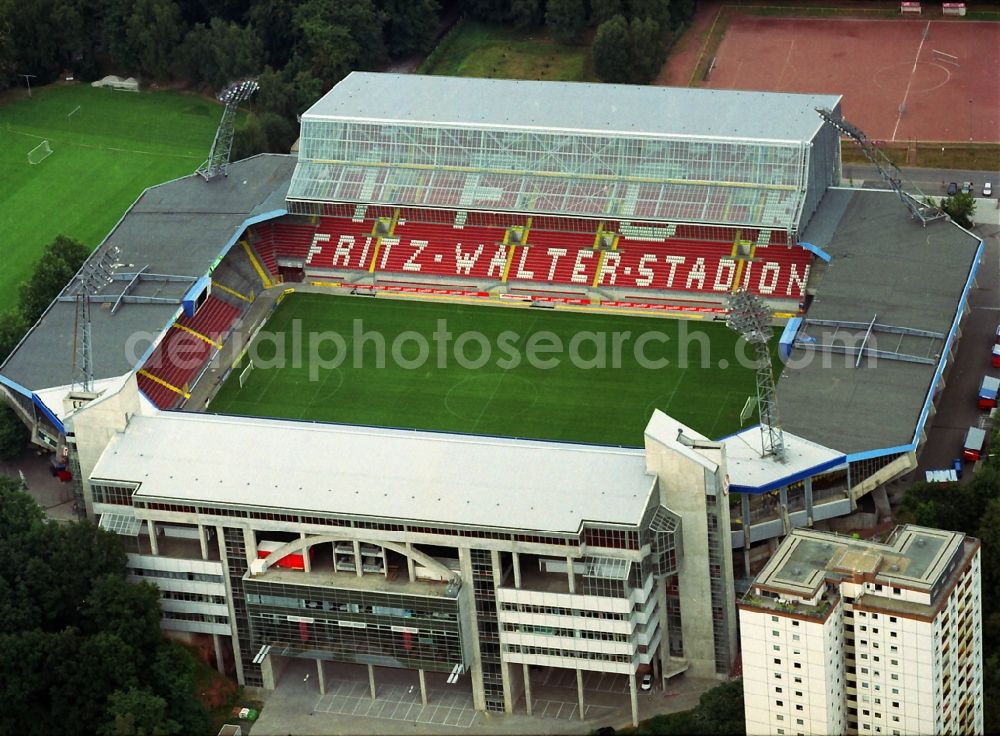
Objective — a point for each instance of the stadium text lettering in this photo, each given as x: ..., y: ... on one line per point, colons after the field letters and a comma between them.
x: 710, y: 268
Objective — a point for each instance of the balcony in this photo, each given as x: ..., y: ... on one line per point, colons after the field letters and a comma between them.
x: 185, y: 549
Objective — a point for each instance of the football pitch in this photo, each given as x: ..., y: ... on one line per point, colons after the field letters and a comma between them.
x: 106, y: 148
x: 516, y: 372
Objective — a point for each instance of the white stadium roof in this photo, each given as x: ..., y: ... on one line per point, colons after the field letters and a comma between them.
x: 572, y: 107
x: 372, y: 472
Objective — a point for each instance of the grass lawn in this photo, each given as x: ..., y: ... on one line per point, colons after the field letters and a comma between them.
x: 117, y: 144
x: 474, y: 49
x: 606, y: 405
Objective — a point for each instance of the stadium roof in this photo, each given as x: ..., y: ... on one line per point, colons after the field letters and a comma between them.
x: 574, y: 107
x: 178, y: 229
x: 885, y: 266
x: 372, y: 472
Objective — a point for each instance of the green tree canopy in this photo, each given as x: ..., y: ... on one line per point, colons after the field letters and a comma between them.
x: 410, y: 25
x: 648, y: 49
x: 60, y: 260
x: 339, y: 36
x: 612, y: 51
x: 566, y: 19
x: 14, y: 435
x: 960, y: 207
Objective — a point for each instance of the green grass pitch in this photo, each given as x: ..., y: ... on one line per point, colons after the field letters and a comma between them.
x: 104, y: 155
x: 606, y: 405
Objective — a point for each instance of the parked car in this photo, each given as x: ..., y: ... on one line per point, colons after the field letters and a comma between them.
x: 952, y: 188
x: 967, y: 187
x: 647, y: 681
x: 987, y: 189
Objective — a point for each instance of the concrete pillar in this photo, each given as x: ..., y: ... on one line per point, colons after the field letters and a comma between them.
x: 321, y: 677
x: 423, y: 687
x: 783, y: 496
x: 517, y: 569
x: 635, y: 698
x: 203, y: 541
x: 807, y: 487
x: 569, y: 575
x: 305, y: 557
x: 371, y: 680
x: 234, y: 638
x: 470, y: 626
x: 527, y: 688
x: 151, y: 528
x: 250, y: 540
x: 508, y: 694
x: 411, y: 566
x: 220, y: 661
x: 579, y: 689
x: 267, y: 672
x: 359, y: 572
x: 745, y: 514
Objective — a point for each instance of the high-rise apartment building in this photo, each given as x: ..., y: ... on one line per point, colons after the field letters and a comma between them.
x: 841, y: 635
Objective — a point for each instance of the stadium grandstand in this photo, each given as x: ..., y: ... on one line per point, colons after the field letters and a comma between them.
x: 483, y: 558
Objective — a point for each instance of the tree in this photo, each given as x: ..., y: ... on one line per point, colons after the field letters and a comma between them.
x: 525, y: 14
x: 60, y: 260
x: 720, y: 710
x: 273, y: 22
x: 219, y: 53
x: 648, y: 49
x: 138, y: 712
x: 989, y: 532
x: 682, y: 11
x: 612, y: 52
x: 602, y: 11
x: 565, y: 19
x: 14, y: 435
x: 249, y: 139
x: 658, y: 10
x: 339, y: 36
x: 410, y: 25
x: 153, y: 31
x: 493, y: 11
x: 12, y: 329
x: 960, y: 207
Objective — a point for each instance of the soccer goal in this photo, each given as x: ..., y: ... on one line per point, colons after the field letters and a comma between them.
x: 39, y: 153
x: 748, y: 410
x: 245, y: 374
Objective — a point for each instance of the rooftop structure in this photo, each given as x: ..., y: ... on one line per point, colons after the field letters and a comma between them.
x: 654, y: 153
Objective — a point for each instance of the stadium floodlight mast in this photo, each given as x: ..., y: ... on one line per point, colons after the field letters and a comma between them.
x: 750, y: 316
x: 94, y: 275
x: 890, y: 173
x: 232, y: 97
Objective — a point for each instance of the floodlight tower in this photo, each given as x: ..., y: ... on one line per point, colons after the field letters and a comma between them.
x: 916, y: 204
x: 750, y: 316
x: 218, y: 159
x: 95, y: 274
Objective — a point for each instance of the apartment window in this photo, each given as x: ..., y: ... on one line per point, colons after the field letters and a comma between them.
x: 774, y: 618
x: 799, y: 708
x: 795, y: 623
x: 776, y: 647
x: 892, y: 634
x: 798, y: 693
x: 777, y: 689
x: 798, y: 665
x: 895, y: 691
x: 895, y: 591
x: 795, y: 637
x: 894, y: 662
x: 779, y: 717
x: 775, y: 633
x: 865, y: 712
x: 799, y: 722
x: 798, y: 680
x: 864, y: 684
x: 895, y: 704
x: 875, y: 658
x: 777, y: 675
x: 864, y: 670
x: 863, y: 628
x: 894, y: 676
x: 781, y: 730
x: 893, y: 648
x: 777, y: 660
x: 779, y: 703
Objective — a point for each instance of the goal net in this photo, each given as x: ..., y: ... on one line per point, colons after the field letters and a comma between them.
x: 245, y: 373
x: 39, y: 153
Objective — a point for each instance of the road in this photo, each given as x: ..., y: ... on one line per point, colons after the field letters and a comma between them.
x: 930, y: 181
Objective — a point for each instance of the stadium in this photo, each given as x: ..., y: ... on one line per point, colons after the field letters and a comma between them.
x: 479, y: 522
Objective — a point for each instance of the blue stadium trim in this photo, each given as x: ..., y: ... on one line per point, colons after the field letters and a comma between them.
x: 963, y: 302
x: 16, y: 387
x: 881, y: 452
x: 48, y: 413
x: 816, y: 251
x: 793, y: 478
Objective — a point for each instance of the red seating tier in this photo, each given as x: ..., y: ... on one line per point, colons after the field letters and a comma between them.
x: 212, y: 319
x: 177, y: 360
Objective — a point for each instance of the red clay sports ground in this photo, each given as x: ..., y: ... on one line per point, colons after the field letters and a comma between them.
x: 878, y: 65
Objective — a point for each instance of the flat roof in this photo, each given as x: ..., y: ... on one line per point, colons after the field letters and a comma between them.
x: 179, y: 229
x: 912, y: 557
x: 574, y: 107
x: 880, y: 262
x: 372, y: 472
x: 751, y: 473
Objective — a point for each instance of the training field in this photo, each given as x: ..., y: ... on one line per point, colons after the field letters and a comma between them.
x: 901, y: 79
x: 103, y: 156
x: 606, y: 405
